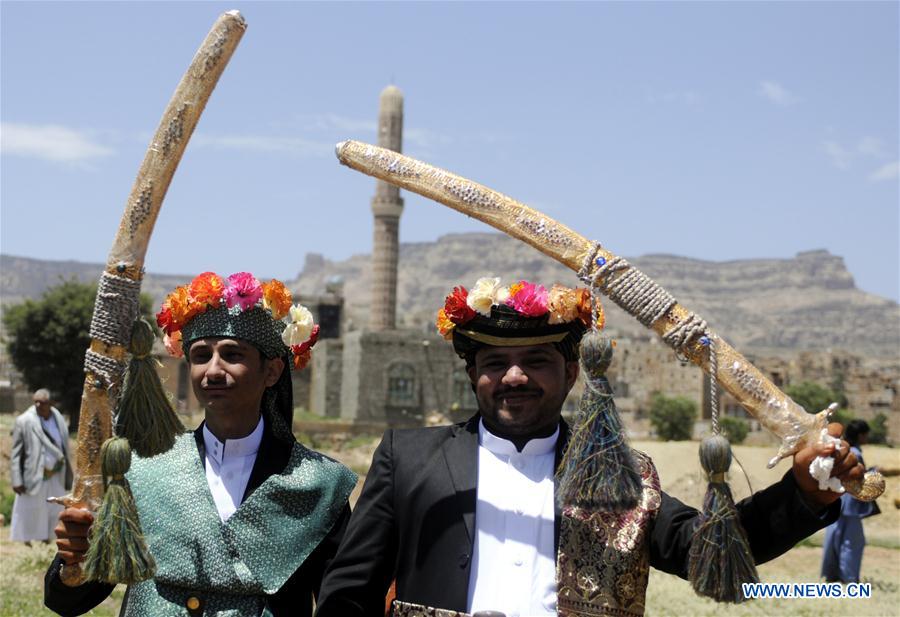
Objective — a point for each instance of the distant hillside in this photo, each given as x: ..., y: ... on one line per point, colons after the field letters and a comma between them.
x: 759, y: 305
x: 23, y: 277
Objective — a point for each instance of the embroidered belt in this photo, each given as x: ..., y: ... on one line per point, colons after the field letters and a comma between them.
x: 407, y: 609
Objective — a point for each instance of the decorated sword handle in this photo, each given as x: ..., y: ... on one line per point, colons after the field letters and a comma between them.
x: 629, y: 288
x: 116, y: 306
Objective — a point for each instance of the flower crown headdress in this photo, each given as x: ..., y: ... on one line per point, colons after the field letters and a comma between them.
x: 239, y: 293
x: 562, y: 304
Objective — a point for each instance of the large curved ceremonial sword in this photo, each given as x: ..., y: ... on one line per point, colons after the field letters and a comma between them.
x: 625, y: 285
x: 116, y: 306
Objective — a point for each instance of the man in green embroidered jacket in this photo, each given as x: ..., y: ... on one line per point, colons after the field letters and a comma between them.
x: 239, y: 517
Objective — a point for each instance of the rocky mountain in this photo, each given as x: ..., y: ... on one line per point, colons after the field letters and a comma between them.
x: 23, y: 277
x: 766, y: 306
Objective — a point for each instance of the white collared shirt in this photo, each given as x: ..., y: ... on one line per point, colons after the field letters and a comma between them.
x: 50, y: 427
x: 228, y: 467
x: 513, y: 561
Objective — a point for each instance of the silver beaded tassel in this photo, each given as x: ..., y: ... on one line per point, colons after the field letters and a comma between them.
x: 720, y: 560
x: 598, y: 470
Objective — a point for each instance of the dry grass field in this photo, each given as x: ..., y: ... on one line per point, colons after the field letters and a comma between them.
x: 21, y: 568
x: 681, y: 476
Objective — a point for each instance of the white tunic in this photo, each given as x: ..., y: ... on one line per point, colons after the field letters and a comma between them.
x: 50, y: 427
x: 33, y: 517
x: 513, y: 561
x: 228, y: 467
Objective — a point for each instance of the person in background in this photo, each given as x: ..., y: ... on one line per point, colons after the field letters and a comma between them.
x: 39, y: 468
x: 844, y: 539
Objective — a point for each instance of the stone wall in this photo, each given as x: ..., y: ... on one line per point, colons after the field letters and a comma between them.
x: 399, y: 376
x: 642, y: 367
x: 326, y: 369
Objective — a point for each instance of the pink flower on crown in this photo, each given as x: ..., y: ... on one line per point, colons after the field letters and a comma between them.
x: 529, y: 299
x: 242, y: 289
x: 173, y: 344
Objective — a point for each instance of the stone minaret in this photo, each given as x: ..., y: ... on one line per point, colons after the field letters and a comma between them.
x: 387, y: 205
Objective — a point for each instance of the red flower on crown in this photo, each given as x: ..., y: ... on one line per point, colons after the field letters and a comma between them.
x: 455, y: 307
x: 303, y: 351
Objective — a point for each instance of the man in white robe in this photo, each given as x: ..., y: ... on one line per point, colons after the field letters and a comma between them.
x: 39, y: 468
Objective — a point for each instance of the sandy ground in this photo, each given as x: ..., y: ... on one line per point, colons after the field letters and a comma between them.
x: 21, y: 568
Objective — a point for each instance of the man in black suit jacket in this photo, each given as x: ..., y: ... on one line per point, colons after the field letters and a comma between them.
x: 415, y: 521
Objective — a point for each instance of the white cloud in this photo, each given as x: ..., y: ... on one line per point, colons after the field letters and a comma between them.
x: 265, y: 143
x: 776, y: 93
x: 889, y: 171
x: 870, y: 146
x: 840, y: 156
x: 49, y: 142
x: 843, y: 157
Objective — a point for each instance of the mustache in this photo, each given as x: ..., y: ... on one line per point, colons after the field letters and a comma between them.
x: 518, y: 390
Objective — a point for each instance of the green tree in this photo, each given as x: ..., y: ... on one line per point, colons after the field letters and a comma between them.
x: 878, y: 431
x: 672, y: 417
x: 736, y: 429
x: 814, y: 397
x: 47, y: 339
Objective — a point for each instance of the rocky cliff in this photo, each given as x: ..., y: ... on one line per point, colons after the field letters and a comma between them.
x: 759, y: 305
x: 766, y: 306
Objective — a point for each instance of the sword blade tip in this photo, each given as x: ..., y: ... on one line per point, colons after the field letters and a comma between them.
x: 338, y: 147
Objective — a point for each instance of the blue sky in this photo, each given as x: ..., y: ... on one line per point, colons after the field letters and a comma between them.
x: 713, y: 130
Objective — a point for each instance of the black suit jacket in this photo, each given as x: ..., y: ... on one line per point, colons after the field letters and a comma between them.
x: 415, y: 521
x: 295, y: 596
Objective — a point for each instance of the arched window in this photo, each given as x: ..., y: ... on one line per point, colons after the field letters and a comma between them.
x: 402, y: 387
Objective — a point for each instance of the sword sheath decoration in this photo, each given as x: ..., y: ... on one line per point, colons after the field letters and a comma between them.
x: 628, y: 287
x: 117, y: 302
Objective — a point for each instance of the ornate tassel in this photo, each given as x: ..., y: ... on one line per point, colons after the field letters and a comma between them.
x: 720, y: 559
x: 118, y: 552
x: 598, y: 470
x: 145, y: 416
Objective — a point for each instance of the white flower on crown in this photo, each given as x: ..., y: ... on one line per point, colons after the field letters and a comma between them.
x: 300, y: 328
x: 486, y: 293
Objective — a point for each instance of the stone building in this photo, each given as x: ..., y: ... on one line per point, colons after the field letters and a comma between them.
x: 643, y: 366
x: 872, y: 387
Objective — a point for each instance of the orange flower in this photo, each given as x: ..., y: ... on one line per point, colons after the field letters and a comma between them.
x: 515, y: 288
x: 444, y: 325
x: 584, y: 308
x: 183, y: 306
x: 600, y: 315
x: 563, y: 304
x: 277, y: 298
x: 206, y: 289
